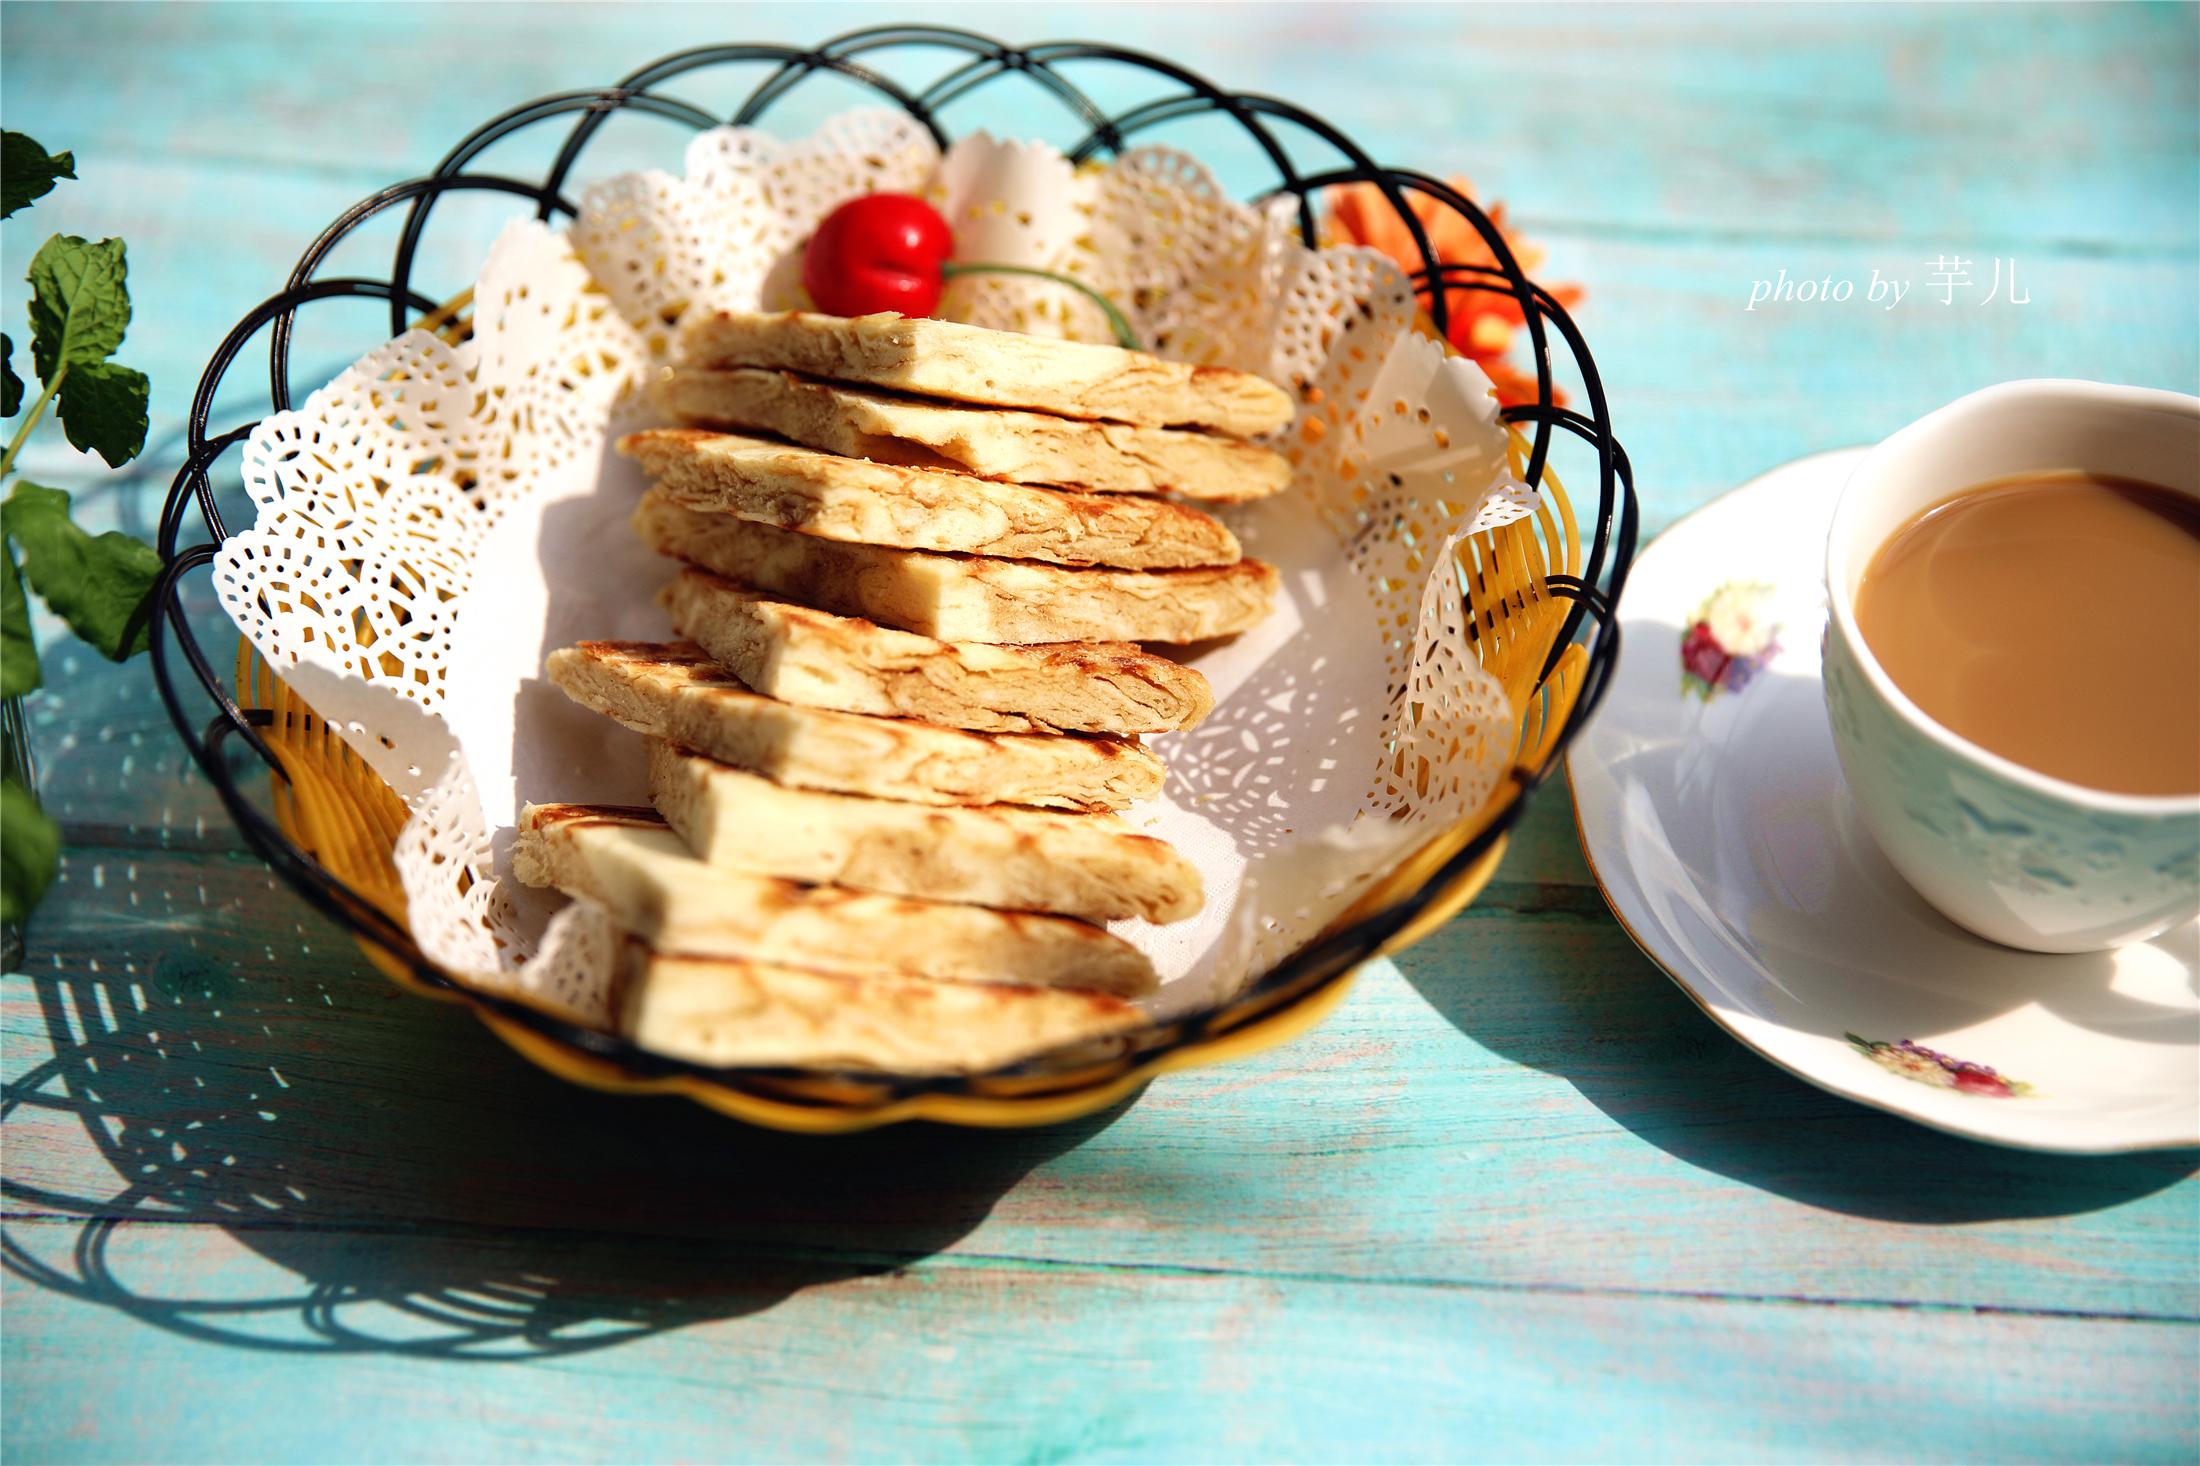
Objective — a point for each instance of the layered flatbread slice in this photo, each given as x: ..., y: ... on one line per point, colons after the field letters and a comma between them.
x: 673, y: 690
x: 997, y: 443
x: 633, y: 865
x: 963, y: 598
x: 992, y: 368
x: 821, y: 660
x: 726, y: 1012
x: 1088, y: 865
x: 924, y: 508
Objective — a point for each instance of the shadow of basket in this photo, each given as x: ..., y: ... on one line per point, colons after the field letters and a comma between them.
x: 398, y: 1183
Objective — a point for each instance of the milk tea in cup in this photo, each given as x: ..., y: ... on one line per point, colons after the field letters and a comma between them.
x: 2054, y: 619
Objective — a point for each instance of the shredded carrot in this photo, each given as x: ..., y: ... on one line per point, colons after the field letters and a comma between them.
x: 1483, y: 323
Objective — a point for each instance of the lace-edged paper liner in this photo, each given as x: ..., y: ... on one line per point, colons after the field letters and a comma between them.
x: 437, y: 519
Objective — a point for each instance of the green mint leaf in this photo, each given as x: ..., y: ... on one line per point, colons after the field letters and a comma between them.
x: 11, y: 385
x: 28, y: 171
x: 18, y: 651
x: 80, y: 302
x: 102, y: 409
x: 102, y: 585
x: 30, y: 851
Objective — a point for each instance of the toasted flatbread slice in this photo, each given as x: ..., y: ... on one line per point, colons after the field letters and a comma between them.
x: 726, y: 1012
x: 673, y: 690
x: 963, y: 598
x: 1088, y: 865
x: 992, y: 368
x: 923, y: 508
x: 821, y: 660
x: 999, y: 443
x: 632, y: 864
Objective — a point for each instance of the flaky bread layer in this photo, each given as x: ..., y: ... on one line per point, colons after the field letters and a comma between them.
x: 992, y: 368
x: 725, y: 1012
x: 963, y: 598
x: 635, y: 867
x: 996, y: 443
x: 673, y: 690
x: 1085, y: 865
x: 817, y: 659
x: 924, y: 509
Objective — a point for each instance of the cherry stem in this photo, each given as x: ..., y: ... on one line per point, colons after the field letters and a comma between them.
x: 1124, y: 335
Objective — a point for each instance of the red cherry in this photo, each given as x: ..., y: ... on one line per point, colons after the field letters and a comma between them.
x: 882, y: 252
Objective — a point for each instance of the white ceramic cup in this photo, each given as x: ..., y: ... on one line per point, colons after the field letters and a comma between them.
x: 2016, y: 856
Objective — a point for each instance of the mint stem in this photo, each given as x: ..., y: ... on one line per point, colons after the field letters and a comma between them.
x: 1125, y: 337
x: 30, y: 419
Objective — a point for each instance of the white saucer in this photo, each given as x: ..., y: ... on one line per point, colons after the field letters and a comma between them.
x: 1724, y: 840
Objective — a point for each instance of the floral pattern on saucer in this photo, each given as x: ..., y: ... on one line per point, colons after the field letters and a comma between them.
x: 1928, y: 1066
x: 1729, y: 640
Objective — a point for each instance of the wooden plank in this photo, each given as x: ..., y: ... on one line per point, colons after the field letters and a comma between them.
x: 625, y: 1351
x: 1521, y: 1102
x: 1819, y: 121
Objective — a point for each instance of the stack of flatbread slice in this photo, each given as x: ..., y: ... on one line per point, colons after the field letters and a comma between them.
x: 919, y: 561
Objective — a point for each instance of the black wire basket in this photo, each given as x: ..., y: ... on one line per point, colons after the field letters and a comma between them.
x: 1563, y: 617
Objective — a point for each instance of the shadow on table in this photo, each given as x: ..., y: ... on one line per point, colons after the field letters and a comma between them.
x: 409, y: 1185
x: 1570, y: 994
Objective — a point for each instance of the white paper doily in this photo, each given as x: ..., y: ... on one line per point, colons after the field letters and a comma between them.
x: 436, y: 520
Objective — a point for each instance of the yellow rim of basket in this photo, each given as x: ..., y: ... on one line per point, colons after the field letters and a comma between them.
x: 338, y: 811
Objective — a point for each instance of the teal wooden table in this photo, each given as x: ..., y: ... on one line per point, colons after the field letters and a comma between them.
x: 1517, y: 1199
